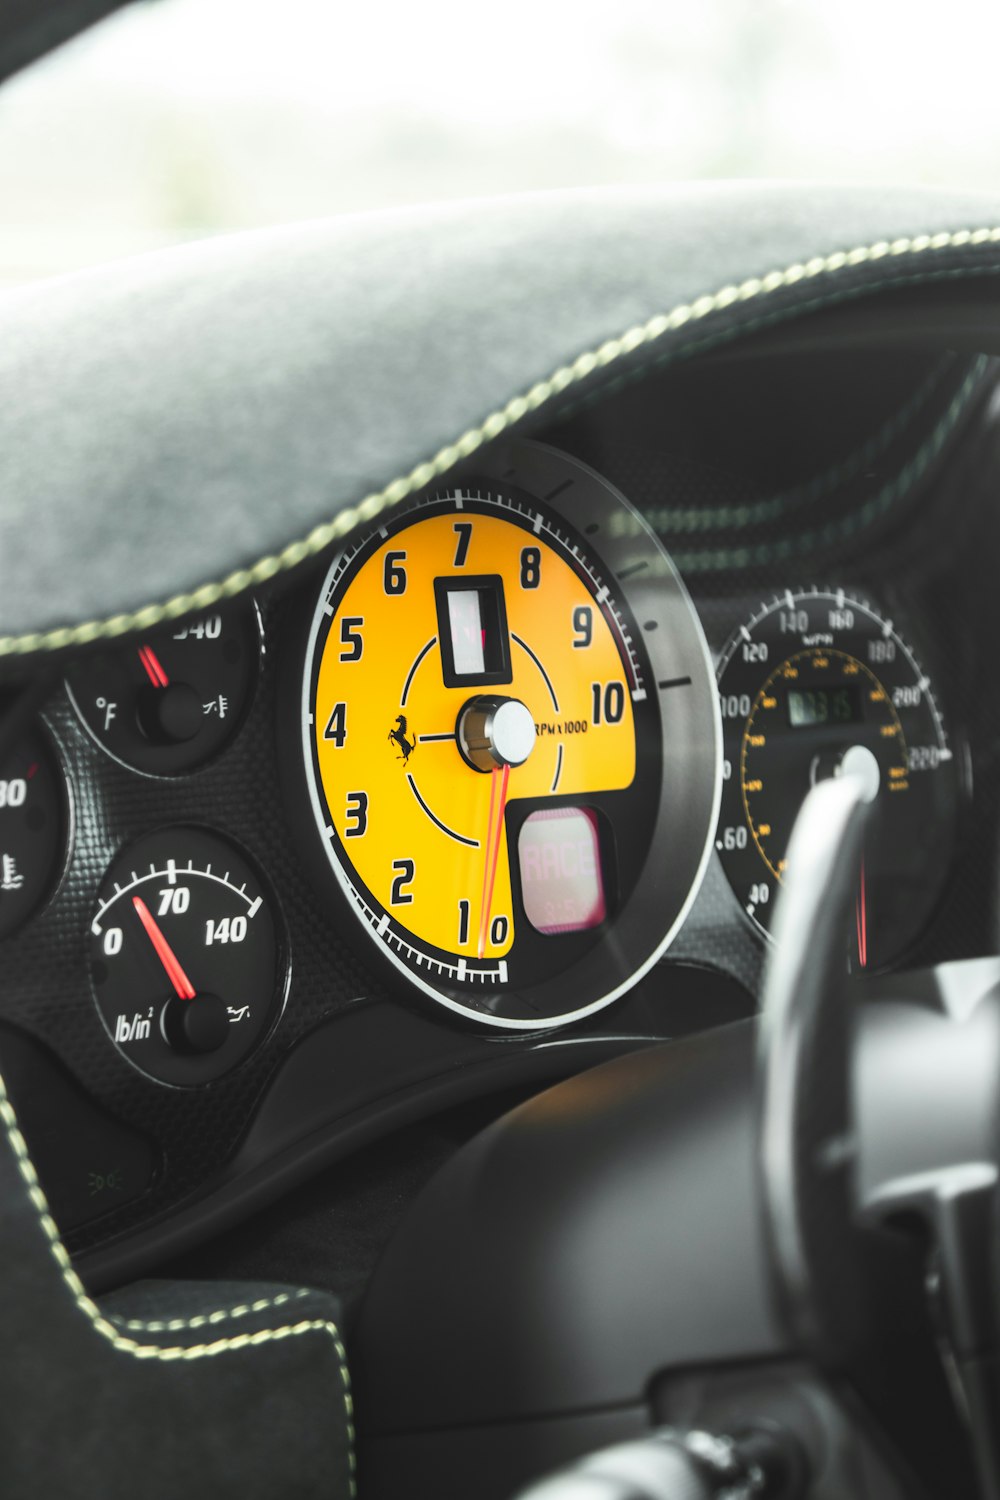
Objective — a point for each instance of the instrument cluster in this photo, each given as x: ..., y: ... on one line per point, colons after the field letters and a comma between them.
x: 510, y: 745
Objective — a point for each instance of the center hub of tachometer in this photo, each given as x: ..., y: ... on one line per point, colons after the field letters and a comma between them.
x: 496, y: 732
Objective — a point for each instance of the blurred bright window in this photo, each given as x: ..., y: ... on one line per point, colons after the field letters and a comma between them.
x: 181, y: 118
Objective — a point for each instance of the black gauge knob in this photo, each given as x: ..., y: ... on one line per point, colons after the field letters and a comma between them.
x: 198, y: 1025
x: 167, y: 702
x: 34, y: 820
x: 172, y: 715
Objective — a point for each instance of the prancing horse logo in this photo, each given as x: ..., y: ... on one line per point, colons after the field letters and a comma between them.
x: 398, y: 737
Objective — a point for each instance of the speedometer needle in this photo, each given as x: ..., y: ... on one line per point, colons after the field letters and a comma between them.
x: 498, y: 779
x: 183, y: 987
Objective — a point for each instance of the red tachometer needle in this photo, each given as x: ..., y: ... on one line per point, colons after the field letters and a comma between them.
x: 154, y: 671
x: 498, y: 784
x: 183, y: 987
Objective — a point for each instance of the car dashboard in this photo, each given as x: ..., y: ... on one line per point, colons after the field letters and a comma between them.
x: 223, y: 974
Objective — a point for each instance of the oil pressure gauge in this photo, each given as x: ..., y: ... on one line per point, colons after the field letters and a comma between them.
x: 174, y: 698
x: 185, y: 959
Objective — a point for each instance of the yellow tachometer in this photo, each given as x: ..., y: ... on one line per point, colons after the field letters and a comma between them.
x: 482, y: 729
x: 399, y: 790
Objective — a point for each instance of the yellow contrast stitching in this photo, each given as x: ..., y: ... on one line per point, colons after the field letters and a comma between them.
x: 154, y: 1351
x: 204, y: 1320
x: 496, y: 423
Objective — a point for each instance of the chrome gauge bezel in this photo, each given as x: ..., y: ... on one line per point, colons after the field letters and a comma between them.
x: 610, y: 532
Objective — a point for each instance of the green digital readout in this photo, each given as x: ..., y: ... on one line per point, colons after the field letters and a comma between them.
x: 808, y: 707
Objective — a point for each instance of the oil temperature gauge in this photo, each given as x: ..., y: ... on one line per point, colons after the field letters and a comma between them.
x: 185, y: 959
x: 171, y: 700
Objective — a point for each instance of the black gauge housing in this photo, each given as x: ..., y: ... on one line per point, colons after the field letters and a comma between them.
x: 174, y: 699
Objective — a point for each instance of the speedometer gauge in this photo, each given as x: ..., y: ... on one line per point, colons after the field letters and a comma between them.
x: 813, y: 681
x: 510, y: 736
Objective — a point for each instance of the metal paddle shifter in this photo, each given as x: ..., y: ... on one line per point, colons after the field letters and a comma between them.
x: 682, y: 1466
x: 884, y: 1116
x: 759, y: 1263
x: 808, y: 1150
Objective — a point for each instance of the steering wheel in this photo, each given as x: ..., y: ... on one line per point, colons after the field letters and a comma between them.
x: 765, y: 1258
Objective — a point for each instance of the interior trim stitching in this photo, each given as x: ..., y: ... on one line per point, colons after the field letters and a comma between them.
x: 180, y: 1352
x: 498, y: 422
x: 203, y: 1320
x: 846, y: 527
x: 679, y: 519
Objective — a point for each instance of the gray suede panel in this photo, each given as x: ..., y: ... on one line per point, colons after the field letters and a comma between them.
x: 246, y: 1402
x: 165, y: 420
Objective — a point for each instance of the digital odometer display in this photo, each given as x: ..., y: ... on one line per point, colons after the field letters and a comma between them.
x: 808, y: 707
x: 810, y: 676
x: 483, y: 733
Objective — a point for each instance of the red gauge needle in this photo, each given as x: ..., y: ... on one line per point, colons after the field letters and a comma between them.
x: 183, y: 987
x: 498, y: 784
x: 862, y: 920
x: 154, y: 671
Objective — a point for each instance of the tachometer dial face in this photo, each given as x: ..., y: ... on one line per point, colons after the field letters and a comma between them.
x: 483, y: 716
x: 33, y: 828
x: 170, y: 701
x: 814, y: 678
x: 185, y: 960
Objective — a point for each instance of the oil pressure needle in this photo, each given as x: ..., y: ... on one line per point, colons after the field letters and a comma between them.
x: 498, y: 777
x: 183, y: 987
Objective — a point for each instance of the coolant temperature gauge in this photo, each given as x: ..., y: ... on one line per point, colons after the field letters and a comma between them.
x: 33, y: 828
x: 185, y: 959
x: 170, y: 700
